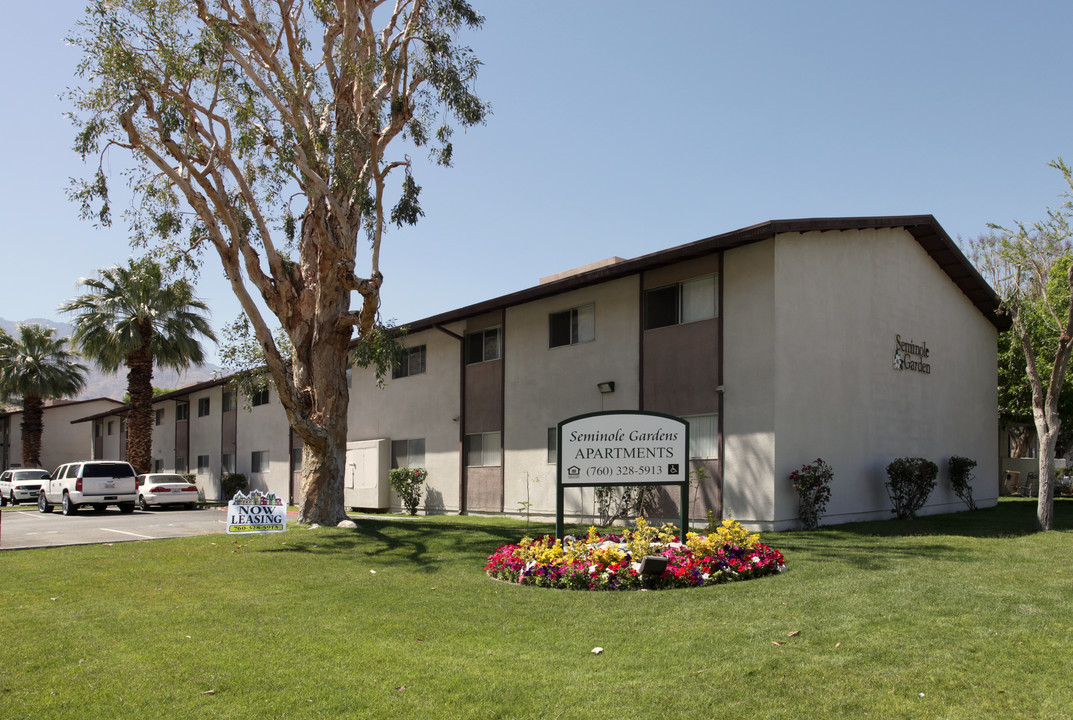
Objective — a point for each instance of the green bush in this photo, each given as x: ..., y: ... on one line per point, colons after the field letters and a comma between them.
x: 813, y: 485
x: 409, y: 484
x: 961, y: 477
x: 911, y: 482
x: 231, y: 484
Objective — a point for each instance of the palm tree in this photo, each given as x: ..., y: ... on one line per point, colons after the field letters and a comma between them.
x: 131, y: 317
x: 36, y: 366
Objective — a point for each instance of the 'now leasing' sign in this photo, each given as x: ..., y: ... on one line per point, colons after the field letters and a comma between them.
x: 256, y: 513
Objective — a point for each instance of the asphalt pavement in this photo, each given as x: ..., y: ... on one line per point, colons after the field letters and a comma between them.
x: 24, y: 527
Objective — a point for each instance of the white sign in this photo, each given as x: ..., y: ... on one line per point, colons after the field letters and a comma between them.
x: 623, y: 448
x: 256, y: 513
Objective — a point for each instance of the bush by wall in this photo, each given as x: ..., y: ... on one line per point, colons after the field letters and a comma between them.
x: 231, y: 483
x: 911, y: 482
x: 961, y: 477
x: 813, y: 485
x: 409, y: 484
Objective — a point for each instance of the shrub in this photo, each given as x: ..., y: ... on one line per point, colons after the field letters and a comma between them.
x: 813, y: 485
x: 231, y: 484
x: 911, y: 482
x: 408, y: 483
x: 961, y: 477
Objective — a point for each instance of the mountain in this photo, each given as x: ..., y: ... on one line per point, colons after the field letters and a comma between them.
x: 99, y: 384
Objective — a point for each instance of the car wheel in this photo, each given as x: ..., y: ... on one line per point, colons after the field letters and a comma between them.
x: 126, y: 508
x: 68, y: 507
x: 3, y: 501
x: 42, y: 503
x: 142, y: 503
x: 12, y: 499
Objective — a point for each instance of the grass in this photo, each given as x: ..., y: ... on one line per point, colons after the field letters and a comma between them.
x: 958, y: 616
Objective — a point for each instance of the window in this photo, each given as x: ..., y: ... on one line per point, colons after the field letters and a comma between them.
x: 180, y: 463
x: 203, y: 407
x: 230, y: 401
x: 158, y: 466
x: 296, y: 459
x: 259, y: 461
x: 158, y: 417
x: 227, y: 463
x: 408, y: 453
x: 182, y: 411
x: 260, y: 397
x: 110, y: 427
x: 411, y: 362
x: 553, y: 446
x: 703, y: 436
x: 98, y: 428
x: 484, y: 345
x: 573, y: 326
x: 683, y: 302
x: 483, y: 449
x: 202, y: 464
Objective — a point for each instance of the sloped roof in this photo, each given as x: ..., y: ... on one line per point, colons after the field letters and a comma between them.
x: 924, y: 228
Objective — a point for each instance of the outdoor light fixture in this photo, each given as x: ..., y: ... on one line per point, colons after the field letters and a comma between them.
x: 653, y: 565
x: 606, y: 387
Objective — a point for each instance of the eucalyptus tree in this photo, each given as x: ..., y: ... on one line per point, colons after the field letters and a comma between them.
x: 1031, y: 268
x: 36, y: 366
x: 268, y: 132
x: 133, y: 317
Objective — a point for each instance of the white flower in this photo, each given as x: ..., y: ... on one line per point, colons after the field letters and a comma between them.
x: 636, y: 566
x: 593, y: 569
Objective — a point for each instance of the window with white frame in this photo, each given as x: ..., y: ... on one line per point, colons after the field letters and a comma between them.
x: 182, y: 411
x: 158, y: 417
x: 227, y: 463
x: 484, y: 345
x: 202, y: 464
x: 229, y: 401
x: 573, y: 326
x: 683, y: 302
x: 484, y: 449
x: 408, y: 453
x: 259, y: 461
x: 260, y: 397
x: 158, y: 466
x: 703, y: 436
x: 180, y: 464
x: 411, y: 362
x: 203, y: 406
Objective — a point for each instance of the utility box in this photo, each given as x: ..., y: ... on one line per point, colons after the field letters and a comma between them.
x: 366, y: 483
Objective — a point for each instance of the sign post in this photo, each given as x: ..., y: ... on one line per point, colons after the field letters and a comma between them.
x: 622, y: 448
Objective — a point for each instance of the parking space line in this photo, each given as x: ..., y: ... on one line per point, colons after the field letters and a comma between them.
x: 124, y: 532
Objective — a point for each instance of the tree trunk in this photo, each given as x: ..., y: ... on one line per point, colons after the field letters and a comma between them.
x: 1045, y: 506
x: 32, y: 428
x: 140, y: 425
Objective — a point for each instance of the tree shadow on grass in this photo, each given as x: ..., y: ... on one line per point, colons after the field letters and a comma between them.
x: 875, y: 545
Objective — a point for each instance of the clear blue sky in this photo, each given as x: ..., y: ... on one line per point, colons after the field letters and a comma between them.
x: 622, y: 128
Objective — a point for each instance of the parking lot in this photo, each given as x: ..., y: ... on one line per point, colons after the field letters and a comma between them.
x: 25, y: 527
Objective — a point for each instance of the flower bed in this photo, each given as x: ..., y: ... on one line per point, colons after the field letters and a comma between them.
x: 613, y: 562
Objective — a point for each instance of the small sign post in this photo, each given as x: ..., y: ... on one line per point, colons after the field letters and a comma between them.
x: 622, y: 448
x: 256, y: 513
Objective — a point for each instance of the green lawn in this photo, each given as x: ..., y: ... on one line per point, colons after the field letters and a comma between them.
x: 959, y: 616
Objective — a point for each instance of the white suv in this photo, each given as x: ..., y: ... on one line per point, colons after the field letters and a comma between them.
x: 94, y: 482
x: 18, y: 484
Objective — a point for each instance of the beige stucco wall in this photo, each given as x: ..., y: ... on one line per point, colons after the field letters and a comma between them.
x: 205, y: 440
x: 263, y: 427
x: 419, y: 406
x: 544, y: 386
x: 841, y: 300
x: 749, y: 379
x: 62, y: 442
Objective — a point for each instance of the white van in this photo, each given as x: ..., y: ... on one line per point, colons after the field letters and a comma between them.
x: 94, y: 482
x: 18, y: 484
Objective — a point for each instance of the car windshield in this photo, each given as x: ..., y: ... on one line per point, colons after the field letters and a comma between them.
x: 29, y: 475
x: 108, y: 470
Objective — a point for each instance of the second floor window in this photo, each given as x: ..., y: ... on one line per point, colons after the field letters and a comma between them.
x: 573, y: 326
x: 202, y: 407
x: 683, y: 302
x: 484, y: 345
x: 259, y: 398
x: 411, y: 362
x: 182, y: 411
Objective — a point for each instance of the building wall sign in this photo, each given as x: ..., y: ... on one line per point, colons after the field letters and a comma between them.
x: 622, y: 448
x: 910, y: 355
